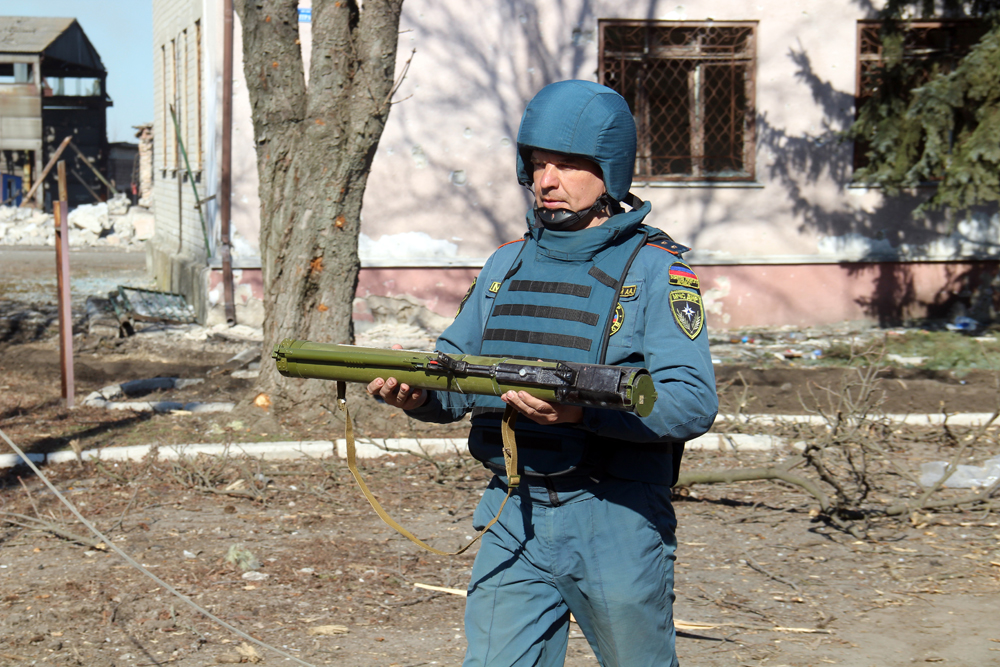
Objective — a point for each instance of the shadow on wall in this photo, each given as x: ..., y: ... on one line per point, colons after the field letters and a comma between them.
x: 878, y: 233
x: 887, y: 232
x: 964, y: 291
x: 487, y: 73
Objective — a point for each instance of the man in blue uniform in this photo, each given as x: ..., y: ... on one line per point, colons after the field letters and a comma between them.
x: 590, y: 531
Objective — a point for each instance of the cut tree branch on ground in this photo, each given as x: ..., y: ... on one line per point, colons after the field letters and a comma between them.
x: 779, y: 472
x: 756, y: 566
x: 32, y: 523
x: 852, y: 453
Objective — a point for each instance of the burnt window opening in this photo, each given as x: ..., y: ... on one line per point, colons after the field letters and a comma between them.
x: 16, y: 73
x: 922, y: 49
x: 691, y: 88
x: 71, y: 86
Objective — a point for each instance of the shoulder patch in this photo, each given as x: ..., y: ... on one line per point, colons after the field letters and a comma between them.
x: 681, y: 275
x: 688, y: 312
x: 617, y: 320
x: 466, y: 297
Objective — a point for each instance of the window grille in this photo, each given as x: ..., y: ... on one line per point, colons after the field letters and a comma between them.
x: 928, y: 47
x: 690, y: 86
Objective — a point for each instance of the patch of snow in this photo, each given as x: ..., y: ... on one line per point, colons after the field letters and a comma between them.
x: 406, y: 245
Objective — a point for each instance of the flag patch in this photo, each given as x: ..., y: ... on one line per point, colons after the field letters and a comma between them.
x: 682, y: 276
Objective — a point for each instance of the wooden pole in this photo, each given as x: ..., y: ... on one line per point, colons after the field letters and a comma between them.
x: 78, y: 177
x: 226, y: 180
x: 100, y: 177
x: 45, y: 172
x: 61, y: 211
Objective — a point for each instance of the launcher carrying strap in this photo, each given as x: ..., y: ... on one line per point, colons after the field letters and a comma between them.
x: 510, y: 463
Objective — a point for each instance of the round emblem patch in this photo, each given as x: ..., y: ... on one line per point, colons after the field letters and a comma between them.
x: 618, y: 319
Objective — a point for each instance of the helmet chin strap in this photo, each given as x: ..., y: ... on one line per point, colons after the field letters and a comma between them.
x: 561, y: 219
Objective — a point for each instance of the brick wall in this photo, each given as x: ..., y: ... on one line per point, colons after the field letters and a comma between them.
x: 177, y: 255
x: 178, y: 57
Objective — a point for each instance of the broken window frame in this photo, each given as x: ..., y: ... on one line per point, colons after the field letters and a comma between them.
x: 21, y: 73
x: 705, y: 107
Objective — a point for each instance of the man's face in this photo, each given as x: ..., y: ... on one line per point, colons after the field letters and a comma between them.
x: 565, y: 181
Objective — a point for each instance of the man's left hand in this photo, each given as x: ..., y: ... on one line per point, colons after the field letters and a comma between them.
x: 543, y: 412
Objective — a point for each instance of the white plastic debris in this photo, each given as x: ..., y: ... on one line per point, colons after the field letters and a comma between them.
x: 964, y: 477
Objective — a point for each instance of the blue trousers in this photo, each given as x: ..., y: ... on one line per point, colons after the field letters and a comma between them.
x: 601, y: 550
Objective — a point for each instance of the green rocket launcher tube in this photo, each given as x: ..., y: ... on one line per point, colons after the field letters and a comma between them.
x: 590, y: 385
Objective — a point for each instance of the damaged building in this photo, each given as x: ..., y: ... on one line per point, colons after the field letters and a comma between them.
x: 740, y: 108
x: 52, y: 85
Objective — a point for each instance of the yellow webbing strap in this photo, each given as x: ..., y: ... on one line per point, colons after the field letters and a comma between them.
x: 509, y: 457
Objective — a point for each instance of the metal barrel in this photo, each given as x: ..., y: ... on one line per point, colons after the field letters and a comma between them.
x: 612, y: 387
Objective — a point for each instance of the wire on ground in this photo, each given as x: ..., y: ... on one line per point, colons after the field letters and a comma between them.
x: 128, y: 559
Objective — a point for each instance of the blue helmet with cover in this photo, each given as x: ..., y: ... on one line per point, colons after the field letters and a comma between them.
x: 585, y: 119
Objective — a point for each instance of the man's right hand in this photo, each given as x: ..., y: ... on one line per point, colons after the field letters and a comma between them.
x: 396, y: 393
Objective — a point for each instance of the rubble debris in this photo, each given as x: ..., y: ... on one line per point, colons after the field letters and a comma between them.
x: 22, y: 322
x: 787, y: 344
x: 112, y: 223
x: 240, y: 333
x: 101, y: 319
x: 238, y: 362
x: 115, y: 316
x: 107, y: 397
x: 145, y: 305
x: 25, y: 226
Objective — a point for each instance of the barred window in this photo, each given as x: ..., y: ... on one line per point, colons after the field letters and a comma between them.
x: 690, y: 86
x: 928, y: 47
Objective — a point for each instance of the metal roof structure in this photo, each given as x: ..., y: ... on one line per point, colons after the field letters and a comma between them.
x: 58, y: 39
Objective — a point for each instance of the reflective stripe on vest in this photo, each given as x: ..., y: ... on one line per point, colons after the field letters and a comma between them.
x: 556, y: 309
x: 549, y: 309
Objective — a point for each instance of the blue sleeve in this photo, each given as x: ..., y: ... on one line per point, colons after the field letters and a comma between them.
x: 681, y: 367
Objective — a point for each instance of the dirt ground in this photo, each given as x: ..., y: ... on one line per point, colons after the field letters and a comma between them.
x: 761, y: 579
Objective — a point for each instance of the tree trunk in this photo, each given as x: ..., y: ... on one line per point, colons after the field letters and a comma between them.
x: 315, y: 146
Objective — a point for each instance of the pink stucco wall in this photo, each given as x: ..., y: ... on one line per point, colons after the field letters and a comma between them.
x: 811, y: 294
x: 735, y: 296
x: 441, y: 290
